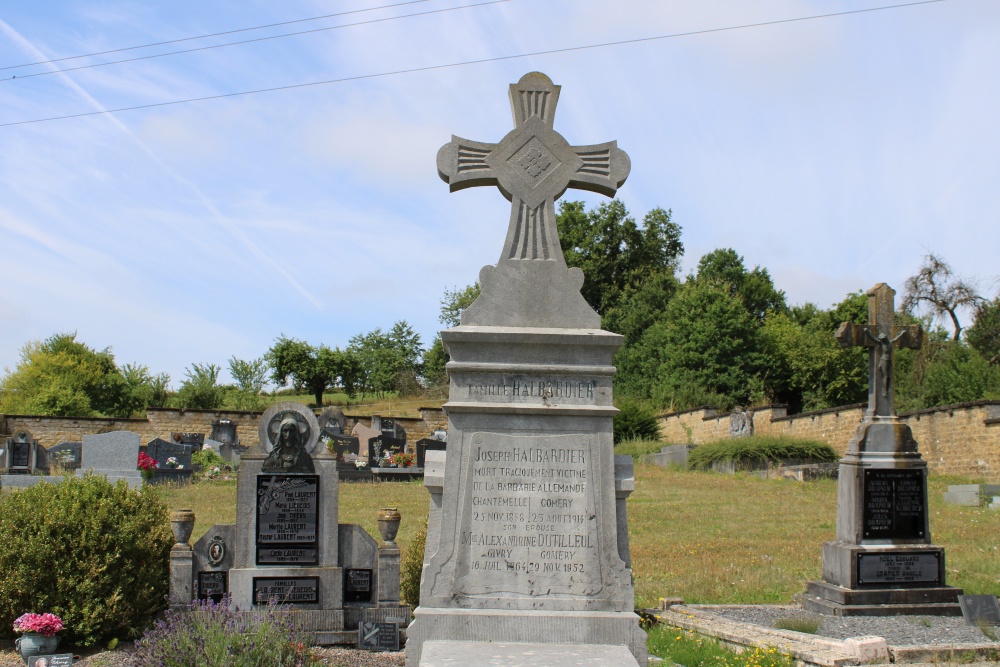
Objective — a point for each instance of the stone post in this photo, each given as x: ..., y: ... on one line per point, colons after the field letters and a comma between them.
x: 388, y: 575
x: 181, y: 560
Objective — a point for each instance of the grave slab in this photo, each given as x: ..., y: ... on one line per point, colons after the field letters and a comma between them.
x: 469, y: 654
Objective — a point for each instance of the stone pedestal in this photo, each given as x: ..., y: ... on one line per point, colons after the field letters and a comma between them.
x: 181, y: 575
x: 526, y: 540
x: 883, y: 562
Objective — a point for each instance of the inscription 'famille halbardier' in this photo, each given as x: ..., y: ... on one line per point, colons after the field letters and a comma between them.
x: 534, y: 389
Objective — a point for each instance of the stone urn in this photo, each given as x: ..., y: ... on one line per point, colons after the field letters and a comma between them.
x: 388, y: 523
x: 35, y: 643
x: 182, y: 523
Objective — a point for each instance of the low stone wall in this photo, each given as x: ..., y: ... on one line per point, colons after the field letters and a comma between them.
x: 161, y: 422
x: 961, y: 439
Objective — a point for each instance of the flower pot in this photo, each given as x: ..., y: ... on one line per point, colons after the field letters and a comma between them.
x: 388, y: 523
x: 182, y: 523
x: 35, y: 643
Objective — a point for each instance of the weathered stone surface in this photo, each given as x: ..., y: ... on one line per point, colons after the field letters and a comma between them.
x: 461, y: 654
x: 114, y: 455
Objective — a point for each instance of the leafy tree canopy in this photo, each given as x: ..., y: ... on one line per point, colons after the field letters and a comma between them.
x: 311, y: 368
x: 385, y: 359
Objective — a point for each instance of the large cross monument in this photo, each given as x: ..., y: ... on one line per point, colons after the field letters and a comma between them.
x: 527, y: 559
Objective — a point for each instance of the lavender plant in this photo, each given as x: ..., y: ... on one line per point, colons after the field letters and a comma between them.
x: 213, y: 635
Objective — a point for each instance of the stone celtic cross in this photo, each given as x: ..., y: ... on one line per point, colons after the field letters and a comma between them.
x: 880, y: 335
x: 533, y: 166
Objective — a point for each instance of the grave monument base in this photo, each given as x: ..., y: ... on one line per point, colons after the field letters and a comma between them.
x: 544, y: 631
x: 455, y: 654
x: 832, y: 600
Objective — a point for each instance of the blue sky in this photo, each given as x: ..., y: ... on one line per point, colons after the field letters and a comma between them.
x: 834, y: 152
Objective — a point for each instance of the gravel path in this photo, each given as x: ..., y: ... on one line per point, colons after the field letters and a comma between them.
x: 897, y: 630
x: 332, y: 657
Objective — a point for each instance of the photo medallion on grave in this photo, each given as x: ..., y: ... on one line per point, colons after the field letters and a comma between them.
x: 287, y: 519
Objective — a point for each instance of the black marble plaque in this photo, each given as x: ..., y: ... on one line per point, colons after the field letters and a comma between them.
x: 286, y: 590
x: 162, y: 450
x: 899, y: 569
x: 382, y: 446
x: 343, y: 447
x: 357, y: 585
x: 980, y: 609
x: 428, y: 444
x: 212, y: 586
x: 378, y: 636
x: 894, y: 504
x: 20, y: 454
x: 287, y: 519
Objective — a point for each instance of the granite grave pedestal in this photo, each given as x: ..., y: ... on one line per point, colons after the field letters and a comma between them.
x: 883, y: 562
x: 527, y: 534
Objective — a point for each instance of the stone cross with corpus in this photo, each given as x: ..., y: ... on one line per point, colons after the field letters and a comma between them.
x: 880, y: 335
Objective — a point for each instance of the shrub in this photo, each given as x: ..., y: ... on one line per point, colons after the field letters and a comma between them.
x: 94, y: 553
x: 635, y: 422
x: 759, y: 449
x: 212, y: 635
x: 411, y: 569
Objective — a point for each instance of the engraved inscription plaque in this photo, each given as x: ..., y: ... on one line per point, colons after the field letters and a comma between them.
x: 532, y: 389
x: 899, y: 568
x: 212, y: 586
x: 529, y: 525
x: 286, y: 590
x: 20, y: 454
x: 980, y: 609
x: 894, y: 504
x: 357, y: 585
x: 287, y: 519
x: 373, y: 636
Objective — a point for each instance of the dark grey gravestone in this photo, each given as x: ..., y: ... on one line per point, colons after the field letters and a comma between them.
x: 389, y: 427
x: 332, y: 421
x: 431, y: 444
x: 383, y: 446
x: 196, y: 440
x: 162, y: 450
x: 345, y: 447
x: 358, y: 584
x: 980, y: 609
x: 224, y: 430
x: 67, y: 454
x: 213, y: 585
x: 374, y: 636
x: 213, y: 558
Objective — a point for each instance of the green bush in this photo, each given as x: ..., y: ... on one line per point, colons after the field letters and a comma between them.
x: 759, y: 449
x: 635, y: 422
x: 94, y: 553
x: 411, y: 569
x: 211, y: 635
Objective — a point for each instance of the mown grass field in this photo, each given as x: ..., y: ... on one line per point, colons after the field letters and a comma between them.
x: 705, y: 537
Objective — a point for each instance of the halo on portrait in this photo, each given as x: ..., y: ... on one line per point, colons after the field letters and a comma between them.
x: 305, y: 420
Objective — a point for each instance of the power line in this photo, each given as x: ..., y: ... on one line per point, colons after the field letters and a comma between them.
x: 256, y: 39
x: 479, y: 61
x: 214, y: 34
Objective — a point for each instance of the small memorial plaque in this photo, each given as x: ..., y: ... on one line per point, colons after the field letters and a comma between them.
x: 374, y: 636
x: 899, y: 569
x: 20, y: 454
x: 357, y: 585
x: 56, y: 660
x: 894, y: 504
x: 286, y: 590
x: 212, y: 586
x: 287, y: 519
x: 980, y: 609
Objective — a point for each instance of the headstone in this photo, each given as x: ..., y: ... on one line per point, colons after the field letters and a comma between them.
x: 346, y: 449
x: 740, y: 423
x: 968, y: 495
x: 527, y: 535
x: 173, y: 461
x: 381, y: 448
x: 389, y: 427
x: 364, y: 434
x: 332, y: 421
x: 66, y: 454
x: 980, y: 610
x: 22, y: 455
x: 113, y: 455
x: 224, y: 430
x: 425, y: 444
x: 213, y: 558
x: 196, y: 440
x: 882, y: 561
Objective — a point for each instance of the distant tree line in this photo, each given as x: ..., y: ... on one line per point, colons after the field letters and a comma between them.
x: 722, y: 336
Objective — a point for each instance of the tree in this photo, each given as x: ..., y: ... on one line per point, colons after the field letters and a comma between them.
x: 943, y: 292
x: 614, y: 253
x: 984, y: 334
x: 754, y: 288
x: 384, y: 356
x: 199, y: 389
x: 65, y: 377
x: 250, y: 377
x: 434, y: 361
x: 310, y: 368
x: 454, y: 302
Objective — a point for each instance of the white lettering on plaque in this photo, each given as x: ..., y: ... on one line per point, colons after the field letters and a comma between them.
x: 529, y: 527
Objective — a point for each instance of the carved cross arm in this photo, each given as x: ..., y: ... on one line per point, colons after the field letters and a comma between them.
x: 461, y: 163
x: 866, y: 335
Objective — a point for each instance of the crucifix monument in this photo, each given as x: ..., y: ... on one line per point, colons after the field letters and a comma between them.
x: 882, y: 562
x: 527, y: 558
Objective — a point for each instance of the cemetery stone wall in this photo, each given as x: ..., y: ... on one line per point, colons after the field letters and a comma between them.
x: 962, y: 439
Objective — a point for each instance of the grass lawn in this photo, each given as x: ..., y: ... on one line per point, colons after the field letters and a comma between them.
x: 705, y: 537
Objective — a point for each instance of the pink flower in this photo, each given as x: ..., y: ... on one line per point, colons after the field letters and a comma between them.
x: 44, y: 624
x: 146, y: 462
